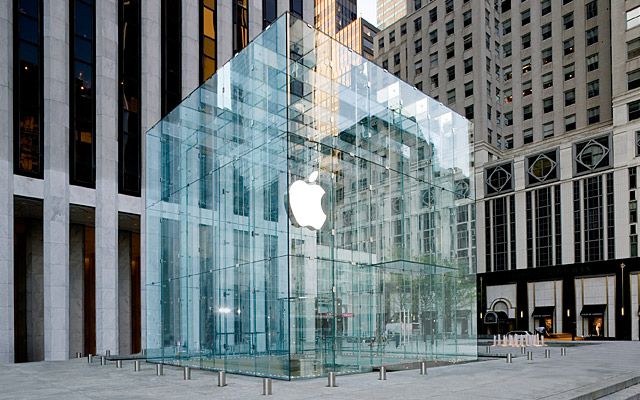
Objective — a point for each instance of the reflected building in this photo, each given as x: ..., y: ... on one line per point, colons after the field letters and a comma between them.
x: 367, y: 271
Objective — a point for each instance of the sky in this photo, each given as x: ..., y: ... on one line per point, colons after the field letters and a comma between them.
x: 367, y: 10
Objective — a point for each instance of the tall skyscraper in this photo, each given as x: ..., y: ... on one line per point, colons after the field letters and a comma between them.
x: 81, y: 81
x: 556, y: 148
x: 389, y: 11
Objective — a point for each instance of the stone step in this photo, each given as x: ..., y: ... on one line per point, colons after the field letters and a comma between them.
x: 630, y: 393
x: 613, y: 386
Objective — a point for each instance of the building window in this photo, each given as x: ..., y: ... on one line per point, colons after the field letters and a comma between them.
x: 269, y: 12
x: 451, y: 51
x: 449, y: 29
x: 468, y: 112
x: 633, y: 79
x: 569, y: 71
x: 28, y: 136
x: 381, y: 43
x: 591, y: 9
x: 593, y: 88
x: 633, y: 48
x: 435, y: 81
x: 547, y: 104
x: 527, y: 112
x: 433, y: 14
x: 508, y: 96
x: 593, y: 62
x: 392, y: 37
x: 129, y: 136
x: 468, y: 89
x: 526, y: 88
x: 547, y: 130
x: 433, y: 59
x: 547, y: 56
x: 591, y: 155
x: 468, y: 65
x: 403, y: 29
x: 527, y: 136
x: 467, y: 18
x: 171, y: 30
x: 506, y: 27
x: 417, y: 24
x: 547, y: 80
x: 240, y: 25
x: 208, y: 38
x: 506, y: 50
x: 82, y: 152
x: 546, y: 31
x: 633, y: 18
x: 526, y: 41
x: 418, y: 67
x: 508, y: 118
x: 507, y: 73
x: 296, y: 7
x: 526, y: 65
x: 546, y: 7
x: 451, y: 73
x: 570, y: 122
x: 500, y: 233
x: 396, y: 59
x: 568, y: 46
x: 567, y: 20
x: 451, y: 96
x: 569, y: 97
x: 385, y: 65
x: 433, y: 37
x: 498, y: 179
x: 592, y: 36
x: 593, y: 115
x: 526, y: 17
x: 418, y: 46
x: 634, y: 110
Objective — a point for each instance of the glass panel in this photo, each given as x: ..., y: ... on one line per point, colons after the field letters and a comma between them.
x: 320, y: 232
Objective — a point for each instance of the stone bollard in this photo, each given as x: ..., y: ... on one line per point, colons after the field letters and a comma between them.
x: 89, y: 358
x: 159, y: 369
x: 547, y: 353
x: 509, y: 358
x: 529, y: 355
x: 103, y: 360
x: 267, y: 387
x: 186, y: 373
x: 523, y: 350
x: 107, y: 353
x: 331, y: 379
x: 487, y: 349
x: 118, y: 363
x: 382, y: 374
x: 423, y: 368
x: 222, y: 379
x: 78, y: 355
x: 136, y: 365
x: 563, y: 351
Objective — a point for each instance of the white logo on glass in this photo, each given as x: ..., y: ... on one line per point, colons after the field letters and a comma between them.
x: 305, y: 202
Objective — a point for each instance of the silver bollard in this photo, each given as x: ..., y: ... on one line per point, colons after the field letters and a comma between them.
x: 103, y: 360
x: 267, y: 387
x: 118, y: 363
x: 90, y: 358
x: 78, y: 355
x: 382, y: 374
x: 222, y: 379
x: 487, y: 349
x: 509, y: 358
x: 331, y: 379
x: 529, y: 355
x: 136, y: 365
x: 563, y: 351
x: 523, y: 350
x: 186, y: 374
x: 159, y: 369
x: 547, y: 353
x: 107, y: 353
x: 423, y: 368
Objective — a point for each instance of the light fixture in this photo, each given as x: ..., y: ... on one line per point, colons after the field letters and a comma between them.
x: 224, y: 310
x: 568, y: 312
x: 521, y: 314
x: 480, y: 315
x: 622, y: 311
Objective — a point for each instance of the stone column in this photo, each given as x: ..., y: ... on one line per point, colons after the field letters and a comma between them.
x: 6, y: 183
x: 106, y: 176
x: 190, y: 46
x: 151, y: 110
x: 56, y: 180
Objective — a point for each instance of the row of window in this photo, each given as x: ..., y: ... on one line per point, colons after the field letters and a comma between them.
x: 591, y: 9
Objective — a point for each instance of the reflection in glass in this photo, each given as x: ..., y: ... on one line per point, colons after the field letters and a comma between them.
x: 233, y: 283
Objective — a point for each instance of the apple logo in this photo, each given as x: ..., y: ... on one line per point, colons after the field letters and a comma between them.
x: 305, y: 202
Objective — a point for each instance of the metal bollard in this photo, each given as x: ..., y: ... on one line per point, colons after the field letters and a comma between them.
x: 186, y: 374
x: 103, y: 360
x: 547, y: 353
x: 159, y: 369
x: 487, y: 349
x: 222, y: 379
x: 523, y: 350
x: 529, y: 355
x: 266, y: 387
x: 107, y: 353
x: 118, y: 363
x: 509, y: 358
x: 382, y: 374
x: 78, y: 355
x: 136, y: 365
x: 331, y: 379
x: 563, y: 351
x: 90, y: 358
x: 423, y: 368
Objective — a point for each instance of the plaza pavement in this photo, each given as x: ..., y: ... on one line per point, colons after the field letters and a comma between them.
x: 609, y: 370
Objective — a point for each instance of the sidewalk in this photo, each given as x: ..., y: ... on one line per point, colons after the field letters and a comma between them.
x: 585, y: 371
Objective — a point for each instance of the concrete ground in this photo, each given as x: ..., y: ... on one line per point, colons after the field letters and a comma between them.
x: 605, y: 370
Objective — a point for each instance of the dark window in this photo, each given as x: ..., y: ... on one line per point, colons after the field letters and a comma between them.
x: 498, y: 179
x: 418, y: 46
x: 592, y: 36
x: 241, y: 194
x: 296, y: 7
x: 546, y: 7
x: 634, y: 110
x: 591, y: 155
x: 271, y: 194
x: 28, y: 139
x: 543, y: 225
x: 433, y: 14
x: 208, y: 39
x: 567, y: 20
x: 417, y: 24
x: 592, y: 9
x: 82, y: 165
x: 467, y: 18
x: 240, y: 25
x: 129, y: 115
x: 269, y: 12
x: 633, y: 79
x: 171, y: 90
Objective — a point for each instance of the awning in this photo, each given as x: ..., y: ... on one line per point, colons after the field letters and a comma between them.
x: 589, y: 310
x: 543, y: 312
x: 495, y: 317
